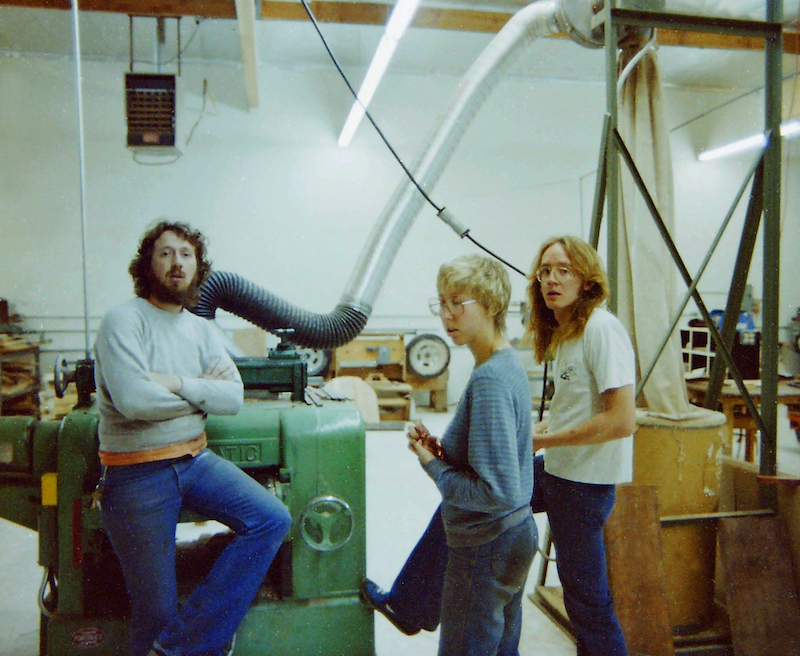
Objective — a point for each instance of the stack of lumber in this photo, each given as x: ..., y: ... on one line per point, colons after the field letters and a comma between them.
x: 17, y: 376
x: 19, y: 373
x: 13, y: 343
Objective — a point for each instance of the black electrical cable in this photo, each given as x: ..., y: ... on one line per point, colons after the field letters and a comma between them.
x: 544, y: 392
x: 188, y: 43
x: 366, y: 112
x: 411, y: 177
x: 494, y: 255
x: 178, y: 53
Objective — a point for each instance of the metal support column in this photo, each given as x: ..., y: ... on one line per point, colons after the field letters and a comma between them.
x: 741, y: 270
x: 771, y: 285
x: 612, y: 156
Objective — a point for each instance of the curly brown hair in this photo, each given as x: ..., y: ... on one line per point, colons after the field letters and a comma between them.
x: 141, y: 266
x: 584, y: 260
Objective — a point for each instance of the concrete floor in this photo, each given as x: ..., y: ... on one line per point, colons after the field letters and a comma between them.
x: 400, y: 502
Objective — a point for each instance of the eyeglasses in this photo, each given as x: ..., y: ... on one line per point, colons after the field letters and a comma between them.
x: 455, y: 308
x: 560, y: 273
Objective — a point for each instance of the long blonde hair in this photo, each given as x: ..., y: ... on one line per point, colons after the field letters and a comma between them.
x: 585, y: 263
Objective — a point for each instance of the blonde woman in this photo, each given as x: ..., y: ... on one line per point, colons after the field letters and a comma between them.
x: 482, y: 467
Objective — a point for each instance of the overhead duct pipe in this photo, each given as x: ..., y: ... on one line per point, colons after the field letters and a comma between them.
x: 234, y: 294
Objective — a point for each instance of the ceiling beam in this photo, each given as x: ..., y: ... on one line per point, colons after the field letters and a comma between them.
x: 369, y: 13
x: 723, y: 41
x: 246, y: 21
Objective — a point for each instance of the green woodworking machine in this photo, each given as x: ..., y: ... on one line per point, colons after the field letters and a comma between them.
x: 311, y: 456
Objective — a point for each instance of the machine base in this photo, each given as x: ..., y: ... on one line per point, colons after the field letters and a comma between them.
x: 78, y: 636
x: 340, y: 626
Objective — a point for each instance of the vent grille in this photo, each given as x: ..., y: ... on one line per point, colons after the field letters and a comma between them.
x: 150, y: 109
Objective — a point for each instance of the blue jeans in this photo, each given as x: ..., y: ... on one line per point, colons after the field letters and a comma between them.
x: 577, y: 513
x: 141, y: 504
x: 482, y: 594
x: 416, y: 594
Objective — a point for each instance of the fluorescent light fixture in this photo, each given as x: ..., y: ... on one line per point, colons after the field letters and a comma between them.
x: 789, y: 130
x: 399, y: 20
x: 402, y: 15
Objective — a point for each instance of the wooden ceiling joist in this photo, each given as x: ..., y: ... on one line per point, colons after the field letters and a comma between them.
x: 367, y: 13
x: 246, y: 22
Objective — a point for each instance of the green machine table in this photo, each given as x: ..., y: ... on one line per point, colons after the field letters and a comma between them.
x: 311, y: 457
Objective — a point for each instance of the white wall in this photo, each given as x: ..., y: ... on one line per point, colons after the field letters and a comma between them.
x: 285, y: 207
x: 705, y: 192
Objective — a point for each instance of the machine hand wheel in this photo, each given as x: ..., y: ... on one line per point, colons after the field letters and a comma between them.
x: 62, y: 376
x: 317, y: 360
x: 326, y: 523
x: 427, y: 356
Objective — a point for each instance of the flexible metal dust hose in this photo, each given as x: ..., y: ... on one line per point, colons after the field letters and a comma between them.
x: 235, y: 294
x: 531, y: 22
x: 262, y: 308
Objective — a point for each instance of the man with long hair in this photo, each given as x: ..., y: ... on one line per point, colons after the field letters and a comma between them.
x: 588, y: 435
x: 160, y: 370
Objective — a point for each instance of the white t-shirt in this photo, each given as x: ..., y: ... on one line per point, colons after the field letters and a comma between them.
x: 600, y: 359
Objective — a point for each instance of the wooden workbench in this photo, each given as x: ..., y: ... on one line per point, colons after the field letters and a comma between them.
x: 733, y: 407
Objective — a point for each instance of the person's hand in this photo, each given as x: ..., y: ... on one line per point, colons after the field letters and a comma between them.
x: 420, y: 449
x: 422, y: 443
x: 172, y: 382
x: 218, y: 370
x: 417, y: 430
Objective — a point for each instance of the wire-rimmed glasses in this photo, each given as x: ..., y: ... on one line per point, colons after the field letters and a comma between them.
x: 455, y: 308
x: 560, y: 273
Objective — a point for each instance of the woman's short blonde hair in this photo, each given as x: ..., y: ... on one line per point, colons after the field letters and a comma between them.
x: 481, y: 278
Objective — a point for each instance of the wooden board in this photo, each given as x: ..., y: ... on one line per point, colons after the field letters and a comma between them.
x: 14, y: 343
x: 252, y: 341
x: 789, y: 510
x: 636, y: 571
x: 436, y: 387
x: 761, y: 592
x: 384, y: 354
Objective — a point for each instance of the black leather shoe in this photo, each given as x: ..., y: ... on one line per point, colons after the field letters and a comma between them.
x: 375, y: 598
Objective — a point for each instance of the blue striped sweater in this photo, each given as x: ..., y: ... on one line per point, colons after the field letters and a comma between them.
x: 486, y: 477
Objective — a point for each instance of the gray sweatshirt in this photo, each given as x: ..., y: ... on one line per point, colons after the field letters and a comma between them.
x: 486, y: 477
x: 137, y: 414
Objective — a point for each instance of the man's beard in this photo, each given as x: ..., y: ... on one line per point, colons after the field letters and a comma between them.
x: 165, y: 294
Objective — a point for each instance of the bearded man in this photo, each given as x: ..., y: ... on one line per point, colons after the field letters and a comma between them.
x: 160, y: 370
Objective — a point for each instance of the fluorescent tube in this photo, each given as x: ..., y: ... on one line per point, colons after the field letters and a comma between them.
x: 399, y: 20
x: 789, y: 130
x: 402, y: 15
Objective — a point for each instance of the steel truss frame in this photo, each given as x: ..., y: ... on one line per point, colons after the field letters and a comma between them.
x: 765, y: 174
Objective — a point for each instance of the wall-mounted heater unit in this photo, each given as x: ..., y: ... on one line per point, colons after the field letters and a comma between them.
x: 150, y: 109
